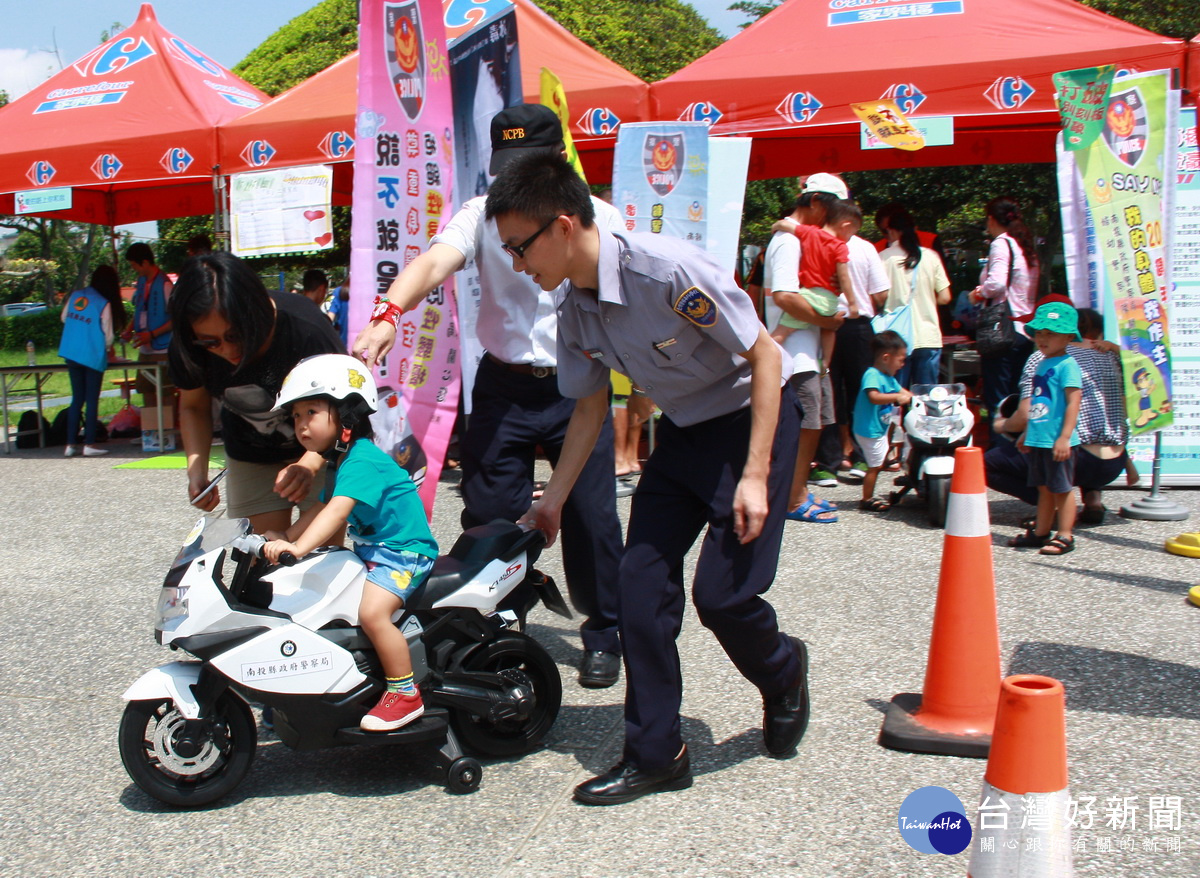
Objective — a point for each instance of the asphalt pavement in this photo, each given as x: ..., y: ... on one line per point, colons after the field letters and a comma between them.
x: 83, y: 548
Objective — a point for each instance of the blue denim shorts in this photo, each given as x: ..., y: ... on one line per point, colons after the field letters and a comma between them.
x: 401, y: 573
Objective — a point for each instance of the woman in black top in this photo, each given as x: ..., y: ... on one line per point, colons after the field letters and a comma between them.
x: 235, y: 342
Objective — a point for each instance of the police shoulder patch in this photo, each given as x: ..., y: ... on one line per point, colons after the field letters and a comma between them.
x: 697, y: 307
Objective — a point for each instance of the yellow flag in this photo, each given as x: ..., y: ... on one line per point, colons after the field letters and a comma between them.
x: 888, y: 124
x: 555, y: 97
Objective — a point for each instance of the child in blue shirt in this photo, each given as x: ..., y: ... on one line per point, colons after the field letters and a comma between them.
x: 330, y: 398
x: 879, y: 394
x: 1050, y: 438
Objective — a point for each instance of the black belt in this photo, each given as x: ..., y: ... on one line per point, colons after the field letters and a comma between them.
x: 525, y: 368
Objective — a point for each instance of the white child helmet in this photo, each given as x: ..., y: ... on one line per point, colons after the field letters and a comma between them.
x: 338, y: 377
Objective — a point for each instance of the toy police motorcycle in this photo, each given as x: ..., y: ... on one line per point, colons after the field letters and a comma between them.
x: 286, y: 636
x: 938, y: 423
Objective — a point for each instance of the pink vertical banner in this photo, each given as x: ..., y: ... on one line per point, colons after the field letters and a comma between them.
x: 404, y: 153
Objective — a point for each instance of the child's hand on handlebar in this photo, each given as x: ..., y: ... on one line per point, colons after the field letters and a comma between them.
x: 275, y: 548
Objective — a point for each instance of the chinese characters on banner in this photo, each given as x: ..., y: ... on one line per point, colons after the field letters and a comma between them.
x: 404, y: 149
x: 1124, y: 185
x: 1082, y: 101
x: 660, y: 179
x: 889, y: 125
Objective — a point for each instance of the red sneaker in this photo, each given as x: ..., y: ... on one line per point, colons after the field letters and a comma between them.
x: 395, y: 709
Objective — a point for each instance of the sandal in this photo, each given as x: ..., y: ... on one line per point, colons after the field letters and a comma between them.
x: 1029, y: 523
x: 1029, y: 540
x: 875, y: 504
x: 812, y: 512
x: 1060, y: 545
x: 825, y: 505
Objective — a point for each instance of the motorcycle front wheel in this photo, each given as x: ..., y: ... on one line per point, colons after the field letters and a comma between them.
x: 938, y: 495
x: 149, y: 741
x: 512, y: 651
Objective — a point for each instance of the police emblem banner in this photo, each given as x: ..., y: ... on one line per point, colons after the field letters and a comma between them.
x: 404, y: 149
x: 660, y: 179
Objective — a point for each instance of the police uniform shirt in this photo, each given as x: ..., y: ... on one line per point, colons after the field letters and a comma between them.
x: 517, y: 322
x: 668, y: 316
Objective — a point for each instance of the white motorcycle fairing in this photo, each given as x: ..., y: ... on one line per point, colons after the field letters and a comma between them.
x: 290, y: 659
x: 172, y: 681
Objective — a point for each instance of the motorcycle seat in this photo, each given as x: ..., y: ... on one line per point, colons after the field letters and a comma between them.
x: 472, y: 551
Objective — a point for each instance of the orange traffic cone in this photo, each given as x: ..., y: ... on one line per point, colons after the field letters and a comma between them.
x: 1022, y: 827
x: 955, y: 713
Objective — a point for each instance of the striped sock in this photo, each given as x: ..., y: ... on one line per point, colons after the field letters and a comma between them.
x: 403, y: 684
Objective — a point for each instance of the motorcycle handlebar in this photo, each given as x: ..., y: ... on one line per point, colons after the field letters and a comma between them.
x: 253, y: 543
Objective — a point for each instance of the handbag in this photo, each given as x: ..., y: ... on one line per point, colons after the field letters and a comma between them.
x: 900, y: 319
x: 994, y: 332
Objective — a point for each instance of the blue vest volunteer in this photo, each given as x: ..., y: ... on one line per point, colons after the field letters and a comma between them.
x: 83, y: 334
x: 150, y: 310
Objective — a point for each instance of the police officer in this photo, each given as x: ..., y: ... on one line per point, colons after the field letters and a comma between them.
x: 662, y: 312
x: 515, y: 404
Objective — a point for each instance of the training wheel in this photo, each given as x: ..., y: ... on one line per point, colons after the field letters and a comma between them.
x: 463, y: 775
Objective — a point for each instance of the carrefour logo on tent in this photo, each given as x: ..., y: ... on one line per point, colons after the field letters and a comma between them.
x: 257, y: 153
x: 701, y: 111
x: 106, y: 166
x: 336, y: 144
x: 599, y: 121
x: 1009, y: 92
x: 193, y: 56
x: 40, y: 173
x: 907, y: 95
x: 119, y: 55
x: 799, y: 106
x: 176, y: 160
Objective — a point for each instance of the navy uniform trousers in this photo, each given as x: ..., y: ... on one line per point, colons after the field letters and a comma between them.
x: 512, y: 413
x: 689, y: 482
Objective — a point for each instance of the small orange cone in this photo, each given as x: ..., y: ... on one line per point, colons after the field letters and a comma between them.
x: 955, y: 712
x: 1022, y: 827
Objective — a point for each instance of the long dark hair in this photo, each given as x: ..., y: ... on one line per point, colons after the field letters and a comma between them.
x: 1006, y: 213
x: 220, y: 282
x: 107, y: 283
x: 903, y: 223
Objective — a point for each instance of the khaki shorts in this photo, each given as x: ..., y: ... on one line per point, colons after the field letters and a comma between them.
x: 250, y: 489
x: 816, y: 399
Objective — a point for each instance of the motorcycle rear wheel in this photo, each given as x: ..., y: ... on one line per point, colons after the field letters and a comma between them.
x: 148, y: 737
x: 511, y: 738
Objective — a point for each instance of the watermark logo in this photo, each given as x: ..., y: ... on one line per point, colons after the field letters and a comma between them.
x: 933, y: 821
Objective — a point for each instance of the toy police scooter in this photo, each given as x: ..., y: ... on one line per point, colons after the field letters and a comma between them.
x: 287, y: 637
x: 938, y: 423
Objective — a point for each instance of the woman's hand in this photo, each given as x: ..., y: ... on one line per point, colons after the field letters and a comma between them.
x: 196, y: 485
x: 294, y: 482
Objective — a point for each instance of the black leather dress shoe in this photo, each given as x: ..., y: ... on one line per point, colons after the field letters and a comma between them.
x: 626, y: 782
x: 785, y: 716
x: 599, y: 669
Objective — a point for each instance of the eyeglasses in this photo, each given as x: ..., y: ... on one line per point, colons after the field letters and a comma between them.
x: 518, y: 250
x: 230, y: 338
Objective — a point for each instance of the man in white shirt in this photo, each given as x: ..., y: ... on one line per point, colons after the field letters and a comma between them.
x: 516, y: 406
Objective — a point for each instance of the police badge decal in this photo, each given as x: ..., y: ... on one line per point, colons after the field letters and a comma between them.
x: 404, y: 48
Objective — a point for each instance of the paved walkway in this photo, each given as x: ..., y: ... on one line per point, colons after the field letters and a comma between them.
x: 85, y: 547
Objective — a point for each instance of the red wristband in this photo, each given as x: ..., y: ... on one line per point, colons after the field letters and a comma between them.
x: 386, y: 311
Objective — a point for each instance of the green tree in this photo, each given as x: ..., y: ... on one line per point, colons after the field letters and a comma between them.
x: 1171, y: 18
x: 304, y: 46
x: 756, y: 9
x: 3, y: 97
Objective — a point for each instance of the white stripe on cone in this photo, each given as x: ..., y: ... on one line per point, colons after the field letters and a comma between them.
x: 967, y: 516
x: 1021, y: 836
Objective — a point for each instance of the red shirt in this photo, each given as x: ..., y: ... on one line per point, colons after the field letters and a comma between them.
x: 820, y: 253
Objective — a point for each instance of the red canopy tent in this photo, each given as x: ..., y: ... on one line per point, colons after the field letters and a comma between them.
x: 788, y: 79
x: 131, y: 127
x: 314, y: 121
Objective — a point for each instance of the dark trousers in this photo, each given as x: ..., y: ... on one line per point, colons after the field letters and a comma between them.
x: 85, y: 389
x: 1002, y: 374
x: 511, y: 415
x: 851, y: 359
x: 689, y: 482
x: 1007, y: 470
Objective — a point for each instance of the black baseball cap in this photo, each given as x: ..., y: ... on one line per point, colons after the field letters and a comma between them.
x: 521, y: 129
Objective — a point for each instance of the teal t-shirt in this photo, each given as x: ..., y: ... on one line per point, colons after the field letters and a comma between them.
x: 870, y: 420
x: 387, y: 510
x: 1048, y: 404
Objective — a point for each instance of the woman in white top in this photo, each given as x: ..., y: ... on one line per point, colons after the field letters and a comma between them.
x: 919, y: 279
x: 1011, y: 273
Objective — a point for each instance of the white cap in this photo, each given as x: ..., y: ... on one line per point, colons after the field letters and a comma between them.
x: 826, y: 183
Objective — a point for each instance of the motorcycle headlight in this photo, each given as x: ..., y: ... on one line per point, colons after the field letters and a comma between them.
x: 172, y: 603
x: 940, y: 428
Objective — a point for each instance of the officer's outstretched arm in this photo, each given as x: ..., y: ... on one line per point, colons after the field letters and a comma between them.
x: 750, y: 499
x: 419, y: 278
x: 582, y: 431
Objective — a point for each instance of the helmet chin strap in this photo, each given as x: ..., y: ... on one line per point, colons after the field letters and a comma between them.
x: 343, y: 442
